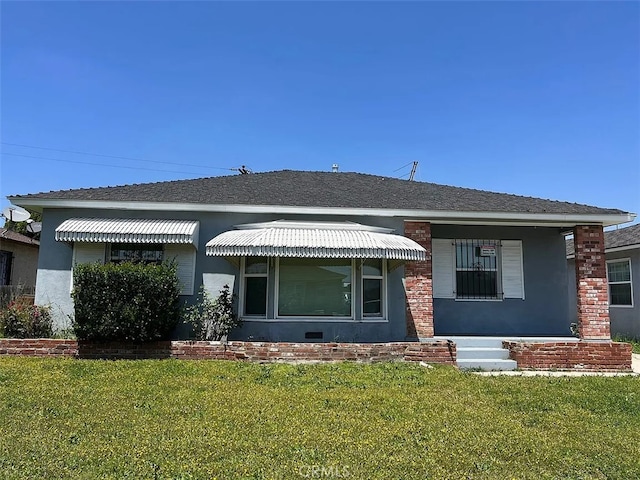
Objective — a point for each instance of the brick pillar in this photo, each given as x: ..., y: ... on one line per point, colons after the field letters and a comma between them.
x: 591, y: 283
x: 418, y: 284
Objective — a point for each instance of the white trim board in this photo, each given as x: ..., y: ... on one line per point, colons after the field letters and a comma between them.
x: 433, y: 216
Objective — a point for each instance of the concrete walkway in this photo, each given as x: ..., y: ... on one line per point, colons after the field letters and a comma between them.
x: 635, y: 366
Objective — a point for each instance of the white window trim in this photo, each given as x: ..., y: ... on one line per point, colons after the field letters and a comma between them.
x: 383, y: 292
x: 630, y: 282
x: 243, y: 286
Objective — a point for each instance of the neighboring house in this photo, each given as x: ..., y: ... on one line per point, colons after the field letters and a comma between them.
x: 18, y: 259
x: 622, y: 252
x: 322, y: 256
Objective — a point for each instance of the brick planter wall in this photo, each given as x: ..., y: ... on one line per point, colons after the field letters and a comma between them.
x: 581, y: 355
x: 419, y: 284
x: 38, y: 347
x: 431, y: 352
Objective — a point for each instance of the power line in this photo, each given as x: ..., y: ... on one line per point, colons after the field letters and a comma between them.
x: 104, y: 164
x: 111, y: 156
x: 404, y: 166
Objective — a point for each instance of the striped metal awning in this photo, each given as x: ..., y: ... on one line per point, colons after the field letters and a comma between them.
x: 314, y: 240
x: 128, y: 230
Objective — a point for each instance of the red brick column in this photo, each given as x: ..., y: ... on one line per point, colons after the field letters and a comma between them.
x: 591, y: 283
x: 419, y: 284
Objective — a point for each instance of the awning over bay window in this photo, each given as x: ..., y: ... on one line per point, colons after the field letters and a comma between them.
x: 128, y: 230
x: 314, y: 240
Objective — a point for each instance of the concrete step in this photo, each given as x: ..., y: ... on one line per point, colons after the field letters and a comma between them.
x: 465, y: 353
x: 487, y: 364
x: 478, y: 342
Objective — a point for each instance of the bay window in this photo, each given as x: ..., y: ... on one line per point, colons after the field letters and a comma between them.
x: 256, y: 276
x: 313, y: 288
x: 372, y: 288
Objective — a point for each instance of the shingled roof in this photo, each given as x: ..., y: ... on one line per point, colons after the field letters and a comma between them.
x: 6, y: 234
x: 622, y: 237
x: 321, y: 189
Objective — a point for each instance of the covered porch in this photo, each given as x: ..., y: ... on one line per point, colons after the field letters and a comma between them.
x: 590, y: 349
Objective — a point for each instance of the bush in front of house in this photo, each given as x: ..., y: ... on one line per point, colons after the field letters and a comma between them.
x: 21, y: 319
x: 212, y: 318
x: 127, y: 301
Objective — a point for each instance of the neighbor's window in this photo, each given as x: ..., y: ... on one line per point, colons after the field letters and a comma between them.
x: 372, y: 288
x: 136, y: 253
x: 477, y: 269
x: 619, y: 278
x: 256, y: 273
x: 315, y: 287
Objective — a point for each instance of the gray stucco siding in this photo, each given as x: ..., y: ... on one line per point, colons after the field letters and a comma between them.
x: 54, y: 276
x: 626, y: 320
x: 544, y: 310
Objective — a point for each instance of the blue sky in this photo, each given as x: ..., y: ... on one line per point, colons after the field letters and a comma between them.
x: 531, y: 98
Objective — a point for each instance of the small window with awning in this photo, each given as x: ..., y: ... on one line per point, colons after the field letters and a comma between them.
x: 145, y: 240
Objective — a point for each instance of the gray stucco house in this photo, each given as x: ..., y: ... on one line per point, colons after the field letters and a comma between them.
x: 622, y: 252
x: 349, y: 257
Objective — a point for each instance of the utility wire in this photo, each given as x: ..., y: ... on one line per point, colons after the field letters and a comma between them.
x: 105, y: 164
x: 111, y: 156
x: 404, y: 166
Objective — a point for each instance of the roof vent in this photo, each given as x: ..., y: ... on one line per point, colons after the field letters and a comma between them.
x: 334, y: 168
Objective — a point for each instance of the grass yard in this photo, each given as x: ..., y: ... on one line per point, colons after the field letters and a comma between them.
x: 214, y: 419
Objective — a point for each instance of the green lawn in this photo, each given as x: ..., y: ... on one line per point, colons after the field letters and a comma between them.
x: 214, y: 419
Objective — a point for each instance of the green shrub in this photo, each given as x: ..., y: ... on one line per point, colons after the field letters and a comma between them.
x: 22, y: 320
x: 212, y: 319
x: 127, y: 301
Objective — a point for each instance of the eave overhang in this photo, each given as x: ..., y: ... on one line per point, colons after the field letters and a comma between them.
x: 562, y: 220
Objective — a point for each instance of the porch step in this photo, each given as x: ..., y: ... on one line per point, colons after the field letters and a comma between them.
x: 484, y: 342
x: 484, y: 353
x: 487, y: 364
x: 480, y: 353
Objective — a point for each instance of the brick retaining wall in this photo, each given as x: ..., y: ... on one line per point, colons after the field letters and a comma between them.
x: 439, y: 351
x: 581, y: 355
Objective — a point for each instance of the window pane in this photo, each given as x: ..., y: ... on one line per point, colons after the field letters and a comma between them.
x: 478, y: 284
x: 373, y: 267
x: 619, y: 271
x: 372, y: 297
x: 130, y: 252
x: 255, y: 296
x: 314, y: 287
x: 255, y: 265
x: 476, y: 254
x: 620, y: 294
